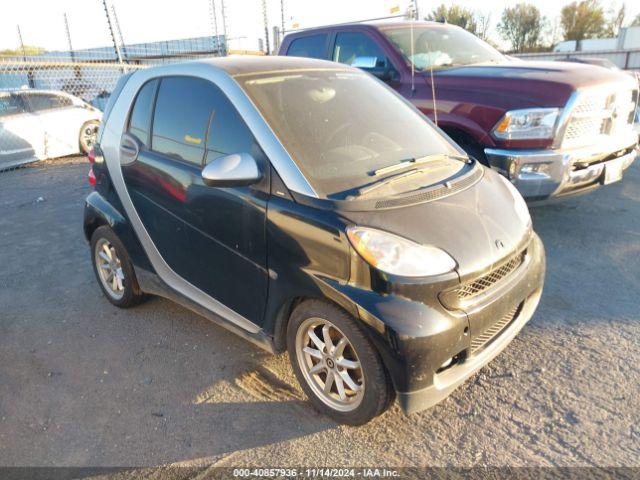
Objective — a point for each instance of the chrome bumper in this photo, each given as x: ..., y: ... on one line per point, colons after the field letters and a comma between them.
x: 542, y: 174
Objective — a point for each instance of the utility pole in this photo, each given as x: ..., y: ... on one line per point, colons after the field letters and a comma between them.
x: 215, y: 27
x: 66, y: 27
x: 266, y: 26
x: 24, y: 53
x: 32, y: 83
x: 119, y: 30
x: 224, y: 28
x: 113, y: 37
x: 415, y: 10
x: 282, y: 16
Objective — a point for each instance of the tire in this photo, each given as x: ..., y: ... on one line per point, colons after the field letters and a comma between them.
x: 373, y: 392
x: 108, y: 256
x: 470, y: 146
x: 84, y: 137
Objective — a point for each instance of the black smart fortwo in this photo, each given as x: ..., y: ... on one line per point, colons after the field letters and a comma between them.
x: 307, y: 207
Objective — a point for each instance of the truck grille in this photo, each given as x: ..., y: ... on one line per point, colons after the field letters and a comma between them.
x: 600, y: 112
x: 477, y: 343
x: 485, y: 282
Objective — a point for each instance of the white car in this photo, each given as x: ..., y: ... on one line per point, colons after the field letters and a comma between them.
x: 35, y: 125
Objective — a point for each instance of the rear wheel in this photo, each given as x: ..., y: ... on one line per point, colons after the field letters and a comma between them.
x: 88, y: 135
x: 113, y: 269
x: 336, y: 364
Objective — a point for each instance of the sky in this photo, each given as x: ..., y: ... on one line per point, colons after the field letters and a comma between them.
x: 41, y: 21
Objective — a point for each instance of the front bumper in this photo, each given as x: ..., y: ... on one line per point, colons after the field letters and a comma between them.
x: 444, y: 383
x: 543, y: 174
x: 428, y: 348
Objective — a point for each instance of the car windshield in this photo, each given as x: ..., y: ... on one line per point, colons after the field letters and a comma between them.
x: 440, y: 46
x: 341, y: 126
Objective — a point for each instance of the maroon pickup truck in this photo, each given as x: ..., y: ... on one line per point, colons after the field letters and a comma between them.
x: 552, y: 128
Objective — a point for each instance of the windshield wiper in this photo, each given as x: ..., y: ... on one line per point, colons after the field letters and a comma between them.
x: 417, y: 161
x: 384, y: 182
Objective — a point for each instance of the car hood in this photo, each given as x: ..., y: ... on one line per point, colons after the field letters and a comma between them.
x: 521, y: 84
x: 478, y: 226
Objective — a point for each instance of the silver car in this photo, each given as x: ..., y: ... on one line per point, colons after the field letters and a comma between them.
x: 35, y: 125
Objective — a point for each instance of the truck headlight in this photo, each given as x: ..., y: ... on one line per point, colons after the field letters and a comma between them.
x: 397, y: 255
x: 529, y: 123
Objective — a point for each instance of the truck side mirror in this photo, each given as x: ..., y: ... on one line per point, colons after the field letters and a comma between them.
x: 365, y: 62
x: 370, y: 65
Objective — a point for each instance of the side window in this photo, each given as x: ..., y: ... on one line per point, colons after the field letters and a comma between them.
x: 351, y: 45
x: 228, y: 133
x: 39, y: 102
x: 10, y: 105
x: 140, y: 119
x: 184, y: 109
x: 313, y: 46
x: 60, y: 101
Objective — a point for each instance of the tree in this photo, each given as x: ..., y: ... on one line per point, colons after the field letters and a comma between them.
x: 484, y: 22
x: 584, y: 19
x: 522, y: 26
x: 28, y: 50
x: 636, y: 21
x: 455, y: 15
x: 616, y: 21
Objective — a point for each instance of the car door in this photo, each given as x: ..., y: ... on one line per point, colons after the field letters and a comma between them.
x: 213, y: 238
x: 21, y: 133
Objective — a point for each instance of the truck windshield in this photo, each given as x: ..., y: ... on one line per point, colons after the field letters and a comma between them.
x: 341, y: 126
x: 440, y: 46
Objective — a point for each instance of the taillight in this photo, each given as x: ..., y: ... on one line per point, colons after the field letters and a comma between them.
x: 92, y: 177
x: 92, y: 156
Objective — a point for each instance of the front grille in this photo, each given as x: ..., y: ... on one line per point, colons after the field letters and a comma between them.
x: 490, y: 333
x: 485, y: 282
x: 600, y: 112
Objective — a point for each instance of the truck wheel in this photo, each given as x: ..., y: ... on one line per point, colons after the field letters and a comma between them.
x: 336, y: 364
x: 88, y: 135
x: 470, y: 146
x: 113, y: 269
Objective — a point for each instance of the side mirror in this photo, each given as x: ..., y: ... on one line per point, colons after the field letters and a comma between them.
x: 236, y: 170
x: 370, y: 65
x: 365, y: 62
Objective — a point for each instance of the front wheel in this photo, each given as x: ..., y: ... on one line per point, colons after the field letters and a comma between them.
x: 336, y: 364
x: 88, y: 135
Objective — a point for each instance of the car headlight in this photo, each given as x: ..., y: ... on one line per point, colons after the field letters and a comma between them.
x: 529, y: 123
x: 518, y: 202
x: 397, y: 255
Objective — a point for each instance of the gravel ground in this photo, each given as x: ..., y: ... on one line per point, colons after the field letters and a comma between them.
x: 83, y: 383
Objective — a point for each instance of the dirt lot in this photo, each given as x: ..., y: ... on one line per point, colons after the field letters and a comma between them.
x: 83, y: 383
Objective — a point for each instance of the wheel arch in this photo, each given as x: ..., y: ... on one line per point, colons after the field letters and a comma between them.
x: 466, y: 139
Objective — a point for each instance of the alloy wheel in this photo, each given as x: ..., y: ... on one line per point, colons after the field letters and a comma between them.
x: 330, y: 364
x: 109, y: 269
x: 89, y: 135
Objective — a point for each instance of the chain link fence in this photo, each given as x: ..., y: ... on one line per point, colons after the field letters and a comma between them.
x: 51, y: 101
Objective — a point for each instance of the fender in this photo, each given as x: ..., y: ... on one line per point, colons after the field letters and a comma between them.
x: 98, y: 212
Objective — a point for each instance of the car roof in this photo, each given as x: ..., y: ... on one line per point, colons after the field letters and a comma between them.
x: 255, y: 64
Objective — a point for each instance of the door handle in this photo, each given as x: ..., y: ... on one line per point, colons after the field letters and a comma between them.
x: 129, y: 148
